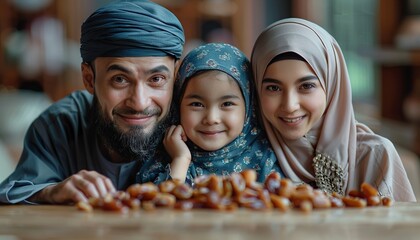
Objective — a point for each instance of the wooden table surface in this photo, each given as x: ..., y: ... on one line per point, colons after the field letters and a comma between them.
x: 401, y: 222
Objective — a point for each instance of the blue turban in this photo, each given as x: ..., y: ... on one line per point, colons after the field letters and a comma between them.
x: 131, y: 29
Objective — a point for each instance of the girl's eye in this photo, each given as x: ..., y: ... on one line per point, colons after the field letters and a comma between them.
x: 228, y: 104
x: 196, y: 104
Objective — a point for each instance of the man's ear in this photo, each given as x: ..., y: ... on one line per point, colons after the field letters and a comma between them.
x: 88, y: 77
x: 177, y: 65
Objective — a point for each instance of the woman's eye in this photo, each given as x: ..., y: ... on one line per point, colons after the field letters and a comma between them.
x: 273, y: 88
x: 307, y: 86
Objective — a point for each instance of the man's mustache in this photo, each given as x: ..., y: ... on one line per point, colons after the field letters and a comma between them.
x: 130, y: 111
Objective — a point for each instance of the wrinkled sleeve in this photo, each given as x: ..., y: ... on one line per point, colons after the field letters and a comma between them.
x: 38, y: 166
x: 160, y: 171
x: 380, y: 165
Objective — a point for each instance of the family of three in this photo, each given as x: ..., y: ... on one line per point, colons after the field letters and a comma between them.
x: 147, y: 116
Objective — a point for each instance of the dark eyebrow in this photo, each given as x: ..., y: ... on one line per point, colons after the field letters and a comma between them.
x: 303, y: 79
x: 158, y: 69
x: 229, y: 97
x: 307, y: 78
x: 201, y: 98
x: 193, y: 96
x: 117, y: 67
x: 270, y: 80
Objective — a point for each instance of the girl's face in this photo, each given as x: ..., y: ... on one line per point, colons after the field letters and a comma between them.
x: 212, y: 110
x: 292, y: 98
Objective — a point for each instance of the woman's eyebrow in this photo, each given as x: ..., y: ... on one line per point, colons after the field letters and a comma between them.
x: 302, y: 79
x: 307, y: 78
x: 270, y: 80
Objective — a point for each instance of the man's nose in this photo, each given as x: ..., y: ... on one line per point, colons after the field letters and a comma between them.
x: 139, y: 98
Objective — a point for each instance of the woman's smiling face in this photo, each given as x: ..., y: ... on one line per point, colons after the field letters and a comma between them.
x: 292, y: 98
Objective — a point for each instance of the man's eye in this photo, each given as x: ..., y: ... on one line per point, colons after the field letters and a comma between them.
x: 158, y: 80
x: 120, y: 79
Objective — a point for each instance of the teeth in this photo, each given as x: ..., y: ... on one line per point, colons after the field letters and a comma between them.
x: 292, y: 120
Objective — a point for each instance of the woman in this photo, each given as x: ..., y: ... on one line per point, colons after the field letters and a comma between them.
x: 306, y: 107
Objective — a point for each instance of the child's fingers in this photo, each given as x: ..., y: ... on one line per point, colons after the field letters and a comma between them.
x: 170, y: 131
x: 179, y: 131
x: 168, y: 136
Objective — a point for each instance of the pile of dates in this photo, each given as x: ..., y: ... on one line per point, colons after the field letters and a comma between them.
x: 239, y: 190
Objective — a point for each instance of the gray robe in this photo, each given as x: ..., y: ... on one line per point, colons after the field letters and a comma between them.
x: 58, y: 144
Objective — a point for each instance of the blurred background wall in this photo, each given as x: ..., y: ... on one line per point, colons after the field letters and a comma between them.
x: 40, y: 58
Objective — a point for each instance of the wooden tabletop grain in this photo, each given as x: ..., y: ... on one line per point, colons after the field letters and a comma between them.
x: 401, y: 222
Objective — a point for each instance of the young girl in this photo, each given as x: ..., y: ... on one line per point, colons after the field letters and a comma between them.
x: 305, y: 98
x: 218, y: 131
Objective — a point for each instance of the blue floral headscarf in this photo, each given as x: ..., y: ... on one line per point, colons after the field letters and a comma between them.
x: 250, y: 149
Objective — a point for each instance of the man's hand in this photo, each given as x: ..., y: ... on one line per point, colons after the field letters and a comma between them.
x: 76, y: 188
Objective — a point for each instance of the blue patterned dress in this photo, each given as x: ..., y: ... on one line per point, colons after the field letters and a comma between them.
x: 250, y: 150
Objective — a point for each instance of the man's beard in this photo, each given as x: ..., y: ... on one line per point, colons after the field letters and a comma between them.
x: 134, y: 144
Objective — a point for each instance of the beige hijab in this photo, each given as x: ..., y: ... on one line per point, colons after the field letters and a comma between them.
x: 328, y: 154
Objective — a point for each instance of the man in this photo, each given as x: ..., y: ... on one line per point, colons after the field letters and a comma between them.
x: 94, y: 142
